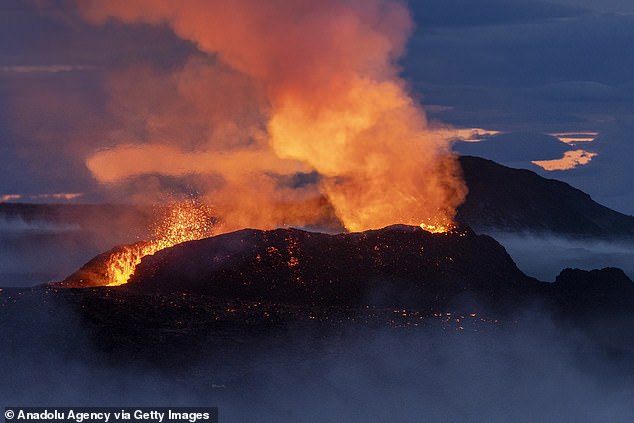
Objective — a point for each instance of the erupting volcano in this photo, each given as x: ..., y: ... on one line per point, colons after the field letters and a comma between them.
x: 180, y: 222
x: 258, y: 208
x: 289, y: 109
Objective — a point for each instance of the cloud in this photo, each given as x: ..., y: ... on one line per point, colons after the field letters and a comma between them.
x: 58, y: 196
x: 570, y: 160
x: 466, y: 134
x: 65, y: 196
x: 605, y: 6
x: 465, y: 13
x: 45, y: 68
x: 315, y: 83
x: 582, y: 91
x: 9, y: 197
x: 516, y: 147
x: 168, y: 160
x: 575, y: 138
x: 608, y: 178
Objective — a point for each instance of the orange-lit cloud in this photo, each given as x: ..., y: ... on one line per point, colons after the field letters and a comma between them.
x: 134, y: 160
x: 570, y: 160
x: 47, y: 196
x: 465, y: 134
x: 9, y: 197
x: 57, y: 196
x: 45, y: 68
x: 286, y: 87
x: 576, y: 137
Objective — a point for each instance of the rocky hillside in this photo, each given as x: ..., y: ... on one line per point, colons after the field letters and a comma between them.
x: 520, y: 200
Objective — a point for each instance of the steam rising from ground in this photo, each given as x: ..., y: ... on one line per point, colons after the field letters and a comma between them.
x: 44, y: 245
x: 281, y: 89
x: 532, y: 371
x: 528, y: 251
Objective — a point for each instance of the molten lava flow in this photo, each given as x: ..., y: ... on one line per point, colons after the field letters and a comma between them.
x: 437, y: 229
x: 183, y: 221
x: 438, y: 225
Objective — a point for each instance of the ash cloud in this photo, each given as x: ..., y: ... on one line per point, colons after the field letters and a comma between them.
x: 278, y: 89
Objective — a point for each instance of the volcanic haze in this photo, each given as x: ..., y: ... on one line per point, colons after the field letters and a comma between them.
x: 280, y: 89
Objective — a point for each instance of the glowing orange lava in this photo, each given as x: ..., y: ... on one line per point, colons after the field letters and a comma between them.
x: 183, y: 221
x: 436, y: 229
x: 438, y: 225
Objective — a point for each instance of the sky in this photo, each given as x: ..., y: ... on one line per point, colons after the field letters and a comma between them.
x: 545, y: 80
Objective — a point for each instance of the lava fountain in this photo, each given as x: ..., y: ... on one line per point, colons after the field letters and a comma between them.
x: 182, y: 221
x: 179, y: 222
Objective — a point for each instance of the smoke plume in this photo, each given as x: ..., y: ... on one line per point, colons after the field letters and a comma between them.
x: 280, y: 89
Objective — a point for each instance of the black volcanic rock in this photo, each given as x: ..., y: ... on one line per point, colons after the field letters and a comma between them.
x: 609, y: 279
x: 520, y: 200
x: 595, y: 290
x: 396, y: 265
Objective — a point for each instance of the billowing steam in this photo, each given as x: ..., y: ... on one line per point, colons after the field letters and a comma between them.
x: 280, y: 89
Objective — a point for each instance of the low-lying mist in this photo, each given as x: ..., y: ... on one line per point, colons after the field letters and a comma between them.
x: 531, y: 370
x: 34, y: 252
x: 47, y: 247
x: 543, y: 256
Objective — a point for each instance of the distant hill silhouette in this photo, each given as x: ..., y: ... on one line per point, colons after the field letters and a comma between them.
x: 520, y: 200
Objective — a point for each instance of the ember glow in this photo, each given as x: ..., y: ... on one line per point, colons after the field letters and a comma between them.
x: 183, y: 221
x: 437, y: 229
x: 285, y: 88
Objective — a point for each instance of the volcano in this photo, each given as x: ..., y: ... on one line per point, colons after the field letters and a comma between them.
x: 397, y: 266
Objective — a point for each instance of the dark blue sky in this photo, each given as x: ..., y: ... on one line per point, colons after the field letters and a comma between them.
x: 524, y: 68
x: 531, y: 68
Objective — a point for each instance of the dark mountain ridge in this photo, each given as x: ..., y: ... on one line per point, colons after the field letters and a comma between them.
x: 518, y: 200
